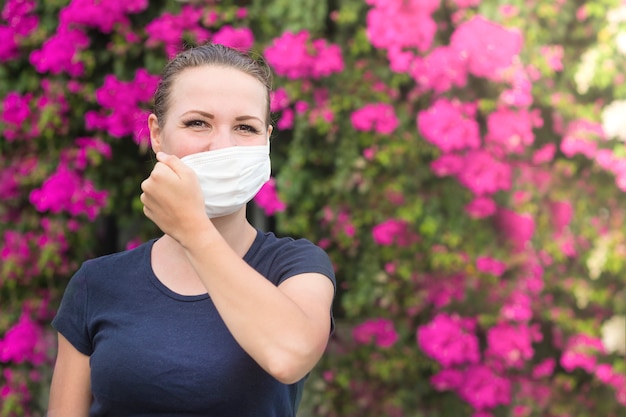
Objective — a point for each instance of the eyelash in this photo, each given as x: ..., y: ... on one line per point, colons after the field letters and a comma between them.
x: 201, y: 123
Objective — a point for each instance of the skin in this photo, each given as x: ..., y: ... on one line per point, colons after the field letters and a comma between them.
x: 285, y: 329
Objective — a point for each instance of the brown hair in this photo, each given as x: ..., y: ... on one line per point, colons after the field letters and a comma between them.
x: 209, y: 54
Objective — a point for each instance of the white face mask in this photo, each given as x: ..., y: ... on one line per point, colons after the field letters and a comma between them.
x: 230, y: 177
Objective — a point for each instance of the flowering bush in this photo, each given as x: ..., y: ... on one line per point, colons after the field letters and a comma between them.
x: 461, y: 162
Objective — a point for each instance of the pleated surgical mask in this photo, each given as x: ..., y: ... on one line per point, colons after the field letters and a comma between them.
x: 230, y: 177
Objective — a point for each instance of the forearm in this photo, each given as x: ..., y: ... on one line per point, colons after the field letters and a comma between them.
x: 268, y: 324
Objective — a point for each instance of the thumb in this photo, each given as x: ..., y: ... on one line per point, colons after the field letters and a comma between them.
x: 172, y: 161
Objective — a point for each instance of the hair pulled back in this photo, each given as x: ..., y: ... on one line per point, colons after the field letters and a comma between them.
x: 209, y: 54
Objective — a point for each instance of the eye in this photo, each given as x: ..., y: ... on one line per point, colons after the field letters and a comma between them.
x: 195, y: 123
x: 248, y: 129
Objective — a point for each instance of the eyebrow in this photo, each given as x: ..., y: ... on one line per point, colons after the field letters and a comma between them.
x: 211, y: 116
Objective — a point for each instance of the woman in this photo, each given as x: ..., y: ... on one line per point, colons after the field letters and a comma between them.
x: 214, y: 318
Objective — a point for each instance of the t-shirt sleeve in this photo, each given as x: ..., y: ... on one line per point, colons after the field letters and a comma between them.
x: 71, y: 317
x: 301, y: 257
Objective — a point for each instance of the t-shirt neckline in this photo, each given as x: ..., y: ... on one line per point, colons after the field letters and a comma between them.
x: 180, y: 297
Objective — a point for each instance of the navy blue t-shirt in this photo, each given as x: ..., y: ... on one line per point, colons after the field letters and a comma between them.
x: 154, y: 352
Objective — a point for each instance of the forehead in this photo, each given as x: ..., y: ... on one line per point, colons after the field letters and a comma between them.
x: 219, y: 88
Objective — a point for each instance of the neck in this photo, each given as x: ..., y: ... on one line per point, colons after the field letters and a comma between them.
x: 234, y: 228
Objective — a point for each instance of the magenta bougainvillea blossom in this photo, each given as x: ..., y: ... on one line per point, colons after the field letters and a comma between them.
x: 511, y: 344
x: 123, y: 106
x: 17, y: 115
x: 379, y: 331
x: 59, y: 53
x: 67, y: 191
x: 484, y: 174
x: 511, y: 131
x: 298, y: 56
x: 450, y: 125
x: 169, y: 29
x: 267, y: 198
x: 486, y: 46
x: 490, y: 265
x: 581, y: 137
x: 376, y: 117
x: 450, y: 339
x: 102, y: 15
x: 22, y: 343
x: 480, y: 207
x: 393, y: 231
x: 413, y: 25
x: 238, y: 38
x: 440, y: 70
x: 19, y: 21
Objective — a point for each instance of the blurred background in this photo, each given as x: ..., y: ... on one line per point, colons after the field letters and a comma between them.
x: 463, y: 163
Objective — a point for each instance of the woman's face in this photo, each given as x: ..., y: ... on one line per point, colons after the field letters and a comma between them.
x: 211, y: 107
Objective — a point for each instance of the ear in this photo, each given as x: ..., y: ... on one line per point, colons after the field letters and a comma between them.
x: 155, y: 132
x: 270, y: 128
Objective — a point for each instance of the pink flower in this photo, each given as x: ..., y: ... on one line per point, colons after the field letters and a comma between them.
x: 518, y: 228
x: 122, y: 101
x: 572, y: 360
x: 89, y: 146
x: 581, y: 137
x: 287, y: 119
x: 66, y: 191
x: 463, y: 4
x: 238, y: 38
x: 483, y: 174
x: 16, y: 112
x: 579, y: 352
x: 296, y: 56
x: 544, y: 369
x: 441, y: 70
x: 604, y: 373
x: 553, y: 55
x: 392, y: 232
x: 241, y: 13
x: 168, y: 29
x: 450, y: 340
x: 102, y: 15
x: 9, y: 49
x: 510, y: 130
x: 447, y: 379
x: 518, y: 307
x: 59, y: 53
x: 483, y: 389
x: 561, y: 213
x: 447, y: 164
x: 481, y: 207
x: 279, y: 99
x: 378, y: 117
x: 267, y: 198
x: 450, y: 125
x: 511, y: 344
x: 23, y: 343
x: 544, y: 154
x: 413, y: 26
x: 490, y: 265
x: 442, y: 290
x: 486, y: 46
x: 381, y: 331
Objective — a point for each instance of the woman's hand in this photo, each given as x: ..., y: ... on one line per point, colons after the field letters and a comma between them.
x: 172, y: 197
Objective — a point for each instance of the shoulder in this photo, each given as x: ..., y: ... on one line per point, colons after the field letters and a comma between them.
x: 274, y: 247
x: 116, y: 265
x: 278, y: 258
x: 120, y: 258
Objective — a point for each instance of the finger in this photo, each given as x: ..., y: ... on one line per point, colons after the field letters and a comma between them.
x: 174, y: 163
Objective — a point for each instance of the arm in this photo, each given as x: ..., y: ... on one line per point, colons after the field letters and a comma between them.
x: 70, y: 391
x: 284, y: 329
